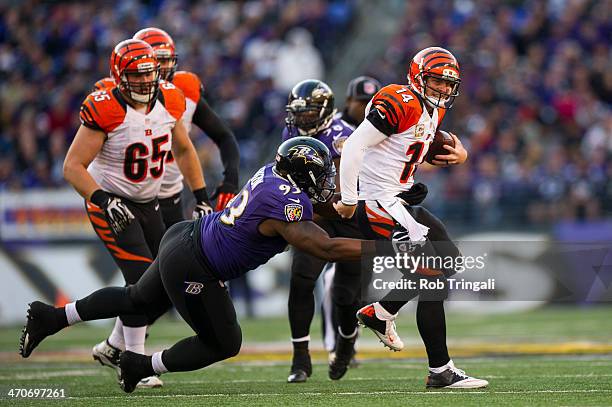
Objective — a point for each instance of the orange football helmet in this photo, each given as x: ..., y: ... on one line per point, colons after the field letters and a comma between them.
x: 439, y: 63
x: 129, y: 61
x: 164, y: 48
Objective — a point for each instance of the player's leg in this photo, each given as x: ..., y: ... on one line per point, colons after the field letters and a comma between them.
x: 44, y: 320
x: 305, y: 270
x: 345, y: 297
x: 376, y: 224
x: 131, y: 251
x: 430, y: 316
x: 172, y: 210
x: 203, y: 302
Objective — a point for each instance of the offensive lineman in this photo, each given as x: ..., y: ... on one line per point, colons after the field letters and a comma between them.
x: 117, y: 161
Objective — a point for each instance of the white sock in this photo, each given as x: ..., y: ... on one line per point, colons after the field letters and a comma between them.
x: 134, y: 338
x: 116, y: 337
x: 72, y: 314
x: 440, y: 369
x: 158, y: 364
x: 348, y: 336
x: 382, y: 313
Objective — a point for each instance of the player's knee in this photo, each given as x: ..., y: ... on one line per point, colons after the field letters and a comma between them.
x: 135, y: 295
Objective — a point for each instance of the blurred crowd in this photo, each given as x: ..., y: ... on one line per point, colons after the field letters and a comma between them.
x: 534, y: 110
x: 247, y: 53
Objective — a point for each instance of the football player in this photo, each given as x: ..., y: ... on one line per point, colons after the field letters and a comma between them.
x: 117, y: 162
x: 274, y: 208
x: 358, y: 93
x: 202, y: 115
x: 384, y: 152
x: 310, y: 112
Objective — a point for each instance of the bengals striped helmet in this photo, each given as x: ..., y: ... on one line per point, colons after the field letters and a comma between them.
x: 164, y: 48
x: 435, y: 62
x: 135, y: 70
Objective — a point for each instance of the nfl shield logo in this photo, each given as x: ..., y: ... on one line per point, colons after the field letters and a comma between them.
x: 293, y: 212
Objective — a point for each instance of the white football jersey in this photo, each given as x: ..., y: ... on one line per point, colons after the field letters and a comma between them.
x: 388, y: 168
x: 132, y: 160
x: 191, y: 86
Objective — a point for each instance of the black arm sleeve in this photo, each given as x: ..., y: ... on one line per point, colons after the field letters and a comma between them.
x: 207, y: 120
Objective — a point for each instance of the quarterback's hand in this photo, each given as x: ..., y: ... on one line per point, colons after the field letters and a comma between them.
x: 224, y: 193
x: 202, y: 207
x: 117, y: 213
x: 346, y: 211
x: 456, y: 155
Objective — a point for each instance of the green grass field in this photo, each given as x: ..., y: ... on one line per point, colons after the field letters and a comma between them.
x: 550, y: 356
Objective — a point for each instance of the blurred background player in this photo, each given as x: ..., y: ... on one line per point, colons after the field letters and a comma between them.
x: 358, y: 93
x: 310, y: 112
x: 116, y: 162
x: 202, y: 115
x: 384, y: 153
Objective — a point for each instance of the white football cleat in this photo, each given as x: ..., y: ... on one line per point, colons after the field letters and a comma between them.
x: 107, y: 355
x: 384, y: 330
x: 151, y: 382
x: 453, y: 378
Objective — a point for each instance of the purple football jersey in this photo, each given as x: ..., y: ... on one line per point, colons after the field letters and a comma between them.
x: 333, y: 136
x: 230, y: 239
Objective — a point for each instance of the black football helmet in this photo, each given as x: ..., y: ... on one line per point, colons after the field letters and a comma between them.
x: 310, y: 107
x: 307, y: 164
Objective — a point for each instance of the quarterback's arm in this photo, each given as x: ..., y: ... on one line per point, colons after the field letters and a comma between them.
x: 309, y: 237
x: 186, y: 157
x: 206, y: 119
x: 364, y: 136
x: 84, y: 148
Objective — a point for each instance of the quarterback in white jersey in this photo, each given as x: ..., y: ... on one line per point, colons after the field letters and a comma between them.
x: 384, y: 152
x: 117, y: 161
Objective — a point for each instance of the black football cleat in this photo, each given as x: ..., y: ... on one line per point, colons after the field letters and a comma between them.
x: 345, y: 350
x: 453, y: 378
x: 134, y: 368
x: 301, y: 367
x: 41, y: 322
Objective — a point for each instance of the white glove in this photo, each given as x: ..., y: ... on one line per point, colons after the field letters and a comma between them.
x: 118, y: 214
x: 201, y: 209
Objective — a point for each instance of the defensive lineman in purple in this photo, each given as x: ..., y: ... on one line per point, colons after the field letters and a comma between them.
x: 266, y: 195
x: 194, y: 259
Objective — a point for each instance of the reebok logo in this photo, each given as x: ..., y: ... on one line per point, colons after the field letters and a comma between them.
x: 193, y: 287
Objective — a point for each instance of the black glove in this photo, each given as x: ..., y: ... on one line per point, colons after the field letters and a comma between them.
x: 202, y: 207
x: 117, y: 213
x: 415, y: 195
x: 224, y: 193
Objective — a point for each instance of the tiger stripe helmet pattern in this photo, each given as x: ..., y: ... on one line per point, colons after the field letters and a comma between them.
x: 133, y: 57
x: 439, y: 63
x: 164, y: 48
x: 104, y: 83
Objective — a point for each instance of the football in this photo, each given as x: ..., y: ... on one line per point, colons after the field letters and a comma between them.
x: 437, y: 145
